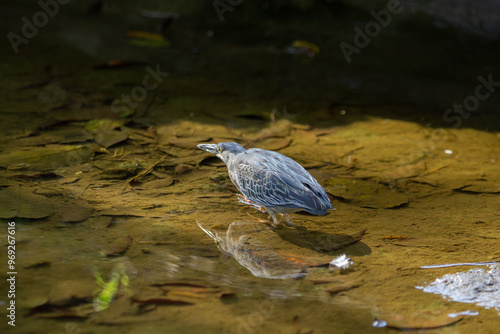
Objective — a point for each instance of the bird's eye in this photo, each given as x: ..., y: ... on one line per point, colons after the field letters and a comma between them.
x: 219, y: 149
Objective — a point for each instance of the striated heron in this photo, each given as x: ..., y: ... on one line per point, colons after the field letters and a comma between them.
x: 270, y: 181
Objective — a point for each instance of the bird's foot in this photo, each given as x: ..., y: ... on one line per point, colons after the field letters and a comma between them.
x: 288, y: 222
x: 258, y: 220
x: 277, y: 223
x: 242, y: 199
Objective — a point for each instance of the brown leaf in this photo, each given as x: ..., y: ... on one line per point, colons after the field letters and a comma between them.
x: 160, y: 175
x: 48, y: 157
x: 103, y: 125
x: 158, y: 184
x: 188, y: 142
x: 184, y: 295
x: 79, y: 311
x: 481, y: 187
x: 228, y: 297
x: 274, y: 144
x: 76, y: 211
x: 341, y: 288
x: 16, y: 201
x: 146, y: 170
x: 36, y: 175
x: 36, y: 300
x: 100, y: 222
x: 40, y: 140
x: 182, y: 169
x: 163, y: 300
x: 71, y: 292
x: 154, y: 295
x: 180, y: 284
x: 119, y: 246
x: 191, y: 160
x: 110, y: 138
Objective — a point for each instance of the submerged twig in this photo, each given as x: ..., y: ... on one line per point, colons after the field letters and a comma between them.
x: 146, y: 170
x: 459, y: 264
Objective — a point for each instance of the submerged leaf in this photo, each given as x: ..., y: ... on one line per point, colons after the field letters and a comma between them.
x: 158, y: 184
x: 16, y: 201
x: 48, y: 157
x: 274, y: 144
x: 103, y: 125
x: 185, y: 142
x: 341, y: 288
x: 116, y: 170
x: 71, y: 292
x: 104, y: 131
x: 76, y: 211
x: 110, y: 138
x: 182, y: 169
x: 479, y: 187
x: 119, y: 246
x: 79, y: 311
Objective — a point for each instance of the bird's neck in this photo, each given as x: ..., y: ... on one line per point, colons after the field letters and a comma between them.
x: 230, y: 161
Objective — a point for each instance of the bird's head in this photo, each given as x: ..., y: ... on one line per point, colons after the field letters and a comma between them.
x: 220, y: 242
x: 224, y: 151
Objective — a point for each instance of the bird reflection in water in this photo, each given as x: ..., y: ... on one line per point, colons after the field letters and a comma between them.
x: 250, y: 245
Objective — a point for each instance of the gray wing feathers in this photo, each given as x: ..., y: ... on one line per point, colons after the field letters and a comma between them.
x: 271, y: 179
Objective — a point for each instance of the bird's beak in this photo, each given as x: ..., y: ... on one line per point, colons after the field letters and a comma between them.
x: 212, y: 148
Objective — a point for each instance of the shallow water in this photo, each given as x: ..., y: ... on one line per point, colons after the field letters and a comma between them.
x: 121, y: 199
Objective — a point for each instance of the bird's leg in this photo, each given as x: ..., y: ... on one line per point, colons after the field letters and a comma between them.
x: 246, y: 201
x: 272, y: 214
x: 288, y: 222
x: 258, y: 219
x: 275, y: 220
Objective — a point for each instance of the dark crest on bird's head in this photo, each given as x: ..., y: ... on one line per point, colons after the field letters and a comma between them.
x: 224, y: 151
x: 231, y: 147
